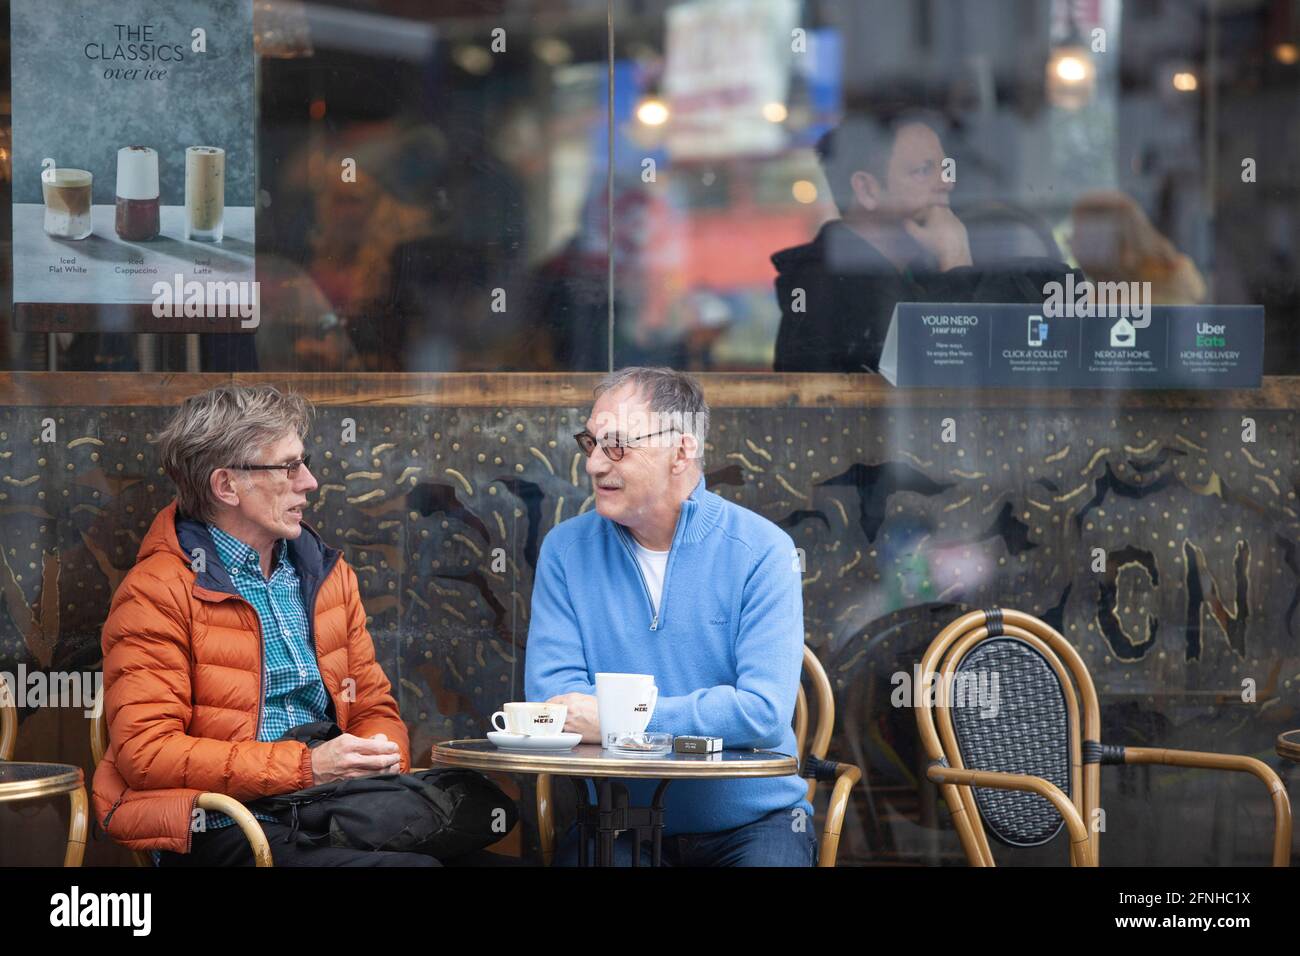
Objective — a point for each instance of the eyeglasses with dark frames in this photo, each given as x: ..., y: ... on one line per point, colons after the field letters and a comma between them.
x: 290, y: 467
x: 614, y: 451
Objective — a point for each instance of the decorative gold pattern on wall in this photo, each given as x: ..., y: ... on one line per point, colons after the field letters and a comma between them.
x: 442, y: 512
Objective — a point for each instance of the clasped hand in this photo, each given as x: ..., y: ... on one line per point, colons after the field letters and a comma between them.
x: 348, y: 756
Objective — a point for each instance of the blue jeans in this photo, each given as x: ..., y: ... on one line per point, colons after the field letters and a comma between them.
x: 782, y: 838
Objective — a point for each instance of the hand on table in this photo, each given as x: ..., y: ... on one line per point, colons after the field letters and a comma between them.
x: 348, y: 756
x: 582, y: 717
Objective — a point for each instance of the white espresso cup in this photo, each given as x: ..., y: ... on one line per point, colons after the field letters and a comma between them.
x: 531, y: 720
x: 625, y: 703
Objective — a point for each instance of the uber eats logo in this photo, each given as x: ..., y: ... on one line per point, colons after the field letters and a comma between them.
x: 1210, y: 336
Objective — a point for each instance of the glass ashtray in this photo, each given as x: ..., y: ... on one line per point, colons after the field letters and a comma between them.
x: 644, y: 745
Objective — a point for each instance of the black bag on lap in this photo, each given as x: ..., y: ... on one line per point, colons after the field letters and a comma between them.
x: 444, y: 813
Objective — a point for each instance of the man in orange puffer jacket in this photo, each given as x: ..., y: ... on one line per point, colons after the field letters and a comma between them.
x: 236, y: 624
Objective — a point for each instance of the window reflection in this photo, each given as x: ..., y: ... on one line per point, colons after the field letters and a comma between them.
x: 1066, y: 127
x: 475, y: 234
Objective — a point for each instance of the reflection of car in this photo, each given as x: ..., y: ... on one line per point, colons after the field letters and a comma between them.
x: 711, y: 242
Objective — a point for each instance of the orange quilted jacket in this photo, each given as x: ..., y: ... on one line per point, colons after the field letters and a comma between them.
x: 183, y: 684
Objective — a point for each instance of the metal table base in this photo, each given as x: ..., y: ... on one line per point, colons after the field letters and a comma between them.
x: 611, y: 815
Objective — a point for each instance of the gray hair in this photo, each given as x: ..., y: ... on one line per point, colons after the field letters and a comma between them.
x: 676, y: 397
x: 224, y: 426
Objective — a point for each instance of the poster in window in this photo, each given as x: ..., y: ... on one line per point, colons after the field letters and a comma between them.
x: 133, y: 165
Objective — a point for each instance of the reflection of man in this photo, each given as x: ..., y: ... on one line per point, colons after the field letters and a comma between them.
x: 666, y: 578
x: 897, y: 241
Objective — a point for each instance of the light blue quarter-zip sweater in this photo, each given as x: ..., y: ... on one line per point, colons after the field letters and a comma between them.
x: 726, y: 647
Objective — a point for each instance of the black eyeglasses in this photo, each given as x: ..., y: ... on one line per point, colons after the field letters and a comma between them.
x: 290, y: 467
x: 614, y: 451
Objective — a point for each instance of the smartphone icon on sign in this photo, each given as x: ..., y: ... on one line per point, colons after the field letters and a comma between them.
x: 1037, y: 330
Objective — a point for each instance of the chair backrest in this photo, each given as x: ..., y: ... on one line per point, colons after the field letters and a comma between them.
x: 1010, y: 695
x: 1010, y: 715
x: 98, y: 732
x: 815, y: 674
x: 8, y: 722
x: 99, y: 747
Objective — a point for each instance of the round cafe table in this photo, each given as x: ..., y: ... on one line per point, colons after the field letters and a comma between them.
x: 31, y: 781
x: 611, y: 812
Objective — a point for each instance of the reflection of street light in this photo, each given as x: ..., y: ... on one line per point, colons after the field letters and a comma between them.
x: 1071, y: 69
x: 652, y: 112
x: 552, y: 51
x: 1071, y: 74
x: 1071, y: 77
x: 1185, y: 82
x: 804, y: 191
x: 1286, y: 53
x: 472, y: 59
x: 775, y: 112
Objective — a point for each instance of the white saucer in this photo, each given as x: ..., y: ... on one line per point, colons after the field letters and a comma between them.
x: 556, y: 743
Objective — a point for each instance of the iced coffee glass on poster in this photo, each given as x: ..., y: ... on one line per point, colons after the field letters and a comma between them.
x: 138, y: 215
x: 205, y: 193
x: 67, y: 195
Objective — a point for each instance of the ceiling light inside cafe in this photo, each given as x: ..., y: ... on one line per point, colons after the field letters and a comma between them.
x: 652, y: 112
x: 804, y: 191
x: 775, y: 112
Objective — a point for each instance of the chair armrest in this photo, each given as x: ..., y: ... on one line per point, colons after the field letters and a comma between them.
x: 847, y: 776
x: 245, y: 821
x: 1235, y: 762
x: 1080, y: 844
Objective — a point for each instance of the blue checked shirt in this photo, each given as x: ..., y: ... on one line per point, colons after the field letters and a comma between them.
x: 292, y: 690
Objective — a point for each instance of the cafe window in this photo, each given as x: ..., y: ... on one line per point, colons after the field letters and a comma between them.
x: 454, y: 216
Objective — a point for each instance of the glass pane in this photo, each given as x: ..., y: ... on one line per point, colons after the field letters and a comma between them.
x: 430, y: 196
x: 981, y: 154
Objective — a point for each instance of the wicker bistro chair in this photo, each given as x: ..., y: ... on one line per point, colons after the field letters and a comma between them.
x: 812, y: 758
x: 812, y: 764
x: 1012, y: 766
x: 221, y: 802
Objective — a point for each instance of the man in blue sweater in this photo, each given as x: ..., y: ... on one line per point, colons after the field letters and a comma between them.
x: 664, y: 577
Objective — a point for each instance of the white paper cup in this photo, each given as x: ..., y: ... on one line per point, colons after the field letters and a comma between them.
x: 625, y: 703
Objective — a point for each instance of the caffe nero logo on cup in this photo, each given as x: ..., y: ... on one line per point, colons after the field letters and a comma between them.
x: 641, y: 708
